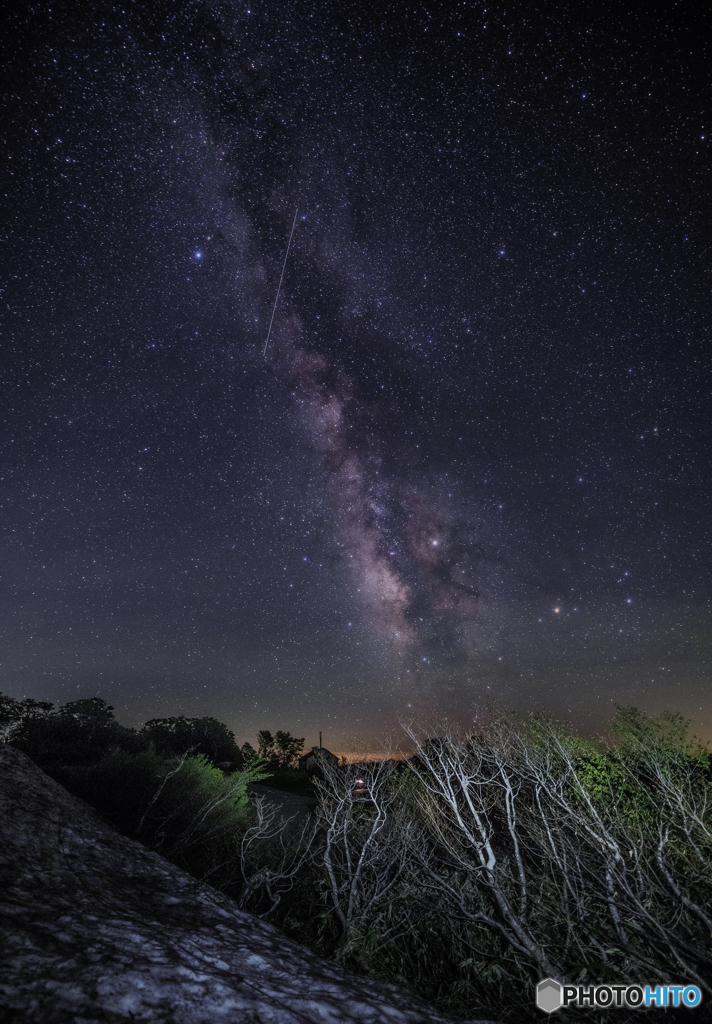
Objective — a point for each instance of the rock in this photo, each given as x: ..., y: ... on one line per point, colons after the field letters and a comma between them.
x: 94, y: 927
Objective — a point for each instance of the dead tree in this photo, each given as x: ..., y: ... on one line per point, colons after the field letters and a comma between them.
x: 364, y: 844
x: 522, y: 847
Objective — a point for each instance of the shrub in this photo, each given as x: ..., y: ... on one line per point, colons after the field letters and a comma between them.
x: 184, y: 808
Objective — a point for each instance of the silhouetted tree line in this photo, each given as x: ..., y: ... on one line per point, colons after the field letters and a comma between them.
x: 80, y: 731
x: 279, y: 751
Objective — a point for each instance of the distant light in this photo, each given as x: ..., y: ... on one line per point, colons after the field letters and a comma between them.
x: 198, y: 255
x: 557, y: 610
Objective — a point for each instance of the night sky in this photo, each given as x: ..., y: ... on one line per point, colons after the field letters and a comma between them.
x: 474, y: 462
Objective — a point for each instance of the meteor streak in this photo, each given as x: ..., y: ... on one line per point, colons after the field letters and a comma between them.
x: 276, y: 298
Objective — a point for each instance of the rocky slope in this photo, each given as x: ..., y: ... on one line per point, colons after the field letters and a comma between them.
x: 94, y: 927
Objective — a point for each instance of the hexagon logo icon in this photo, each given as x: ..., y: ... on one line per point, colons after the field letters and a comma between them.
x: 548, y: 995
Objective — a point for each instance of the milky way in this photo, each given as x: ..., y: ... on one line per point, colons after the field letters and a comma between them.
x: 472, y: 463
x: 388, y: 534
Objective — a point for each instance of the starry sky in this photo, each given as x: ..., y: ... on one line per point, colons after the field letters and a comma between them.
x: 473, y: 461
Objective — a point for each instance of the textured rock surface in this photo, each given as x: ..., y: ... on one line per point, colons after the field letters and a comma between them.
x: 96, y: 928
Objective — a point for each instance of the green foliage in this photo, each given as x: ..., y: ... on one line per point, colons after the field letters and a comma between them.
x: 625, y: 779
x: 617, y: 778
x: 185, y: 808
x: 615, y: 789
x: 196, y: 812
x: 198, y: 816
x: 637, y: 731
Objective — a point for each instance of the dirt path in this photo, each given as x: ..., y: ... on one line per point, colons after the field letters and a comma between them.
x: 289, y: 805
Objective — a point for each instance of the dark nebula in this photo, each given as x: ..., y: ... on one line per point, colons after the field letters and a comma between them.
x: 474, y: 461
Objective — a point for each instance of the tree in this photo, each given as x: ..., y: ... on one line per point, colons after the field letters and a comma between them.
x: 186, y: 808
x: 32, y: 708
x: 10, y: 714
x: 469, y: 786
x: 281, y: 750
x: 637, y: 731
x: 265, y: 744
x: 91, y: 712
x: 600, y: 869
x: 288, y: 749
x: 365, y: 851
x: 77, y: 733
x: 206, y: 736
